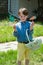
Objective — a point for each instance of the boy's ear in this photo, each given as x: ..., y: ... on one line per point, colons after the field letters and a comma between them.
x: 27, y: 16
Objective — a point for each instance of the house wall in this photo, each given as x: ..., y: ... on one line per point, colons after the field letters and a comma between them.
x: 31, y: 5
x: 14, y: 5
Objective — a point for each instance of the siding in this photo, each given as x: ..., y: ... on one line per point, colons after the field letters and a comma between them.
x: 14, y: 5
x: 31, y: 5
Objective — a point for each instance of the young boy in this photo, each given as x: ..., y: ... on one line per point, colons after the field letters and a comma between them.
x: 20, y: 32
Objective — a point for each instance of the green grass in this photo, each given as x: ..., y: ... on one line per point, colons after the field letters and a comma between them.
x: 6, y: 34
x: 38, y: 30
x: 10, y: 57
x: 6, y: 30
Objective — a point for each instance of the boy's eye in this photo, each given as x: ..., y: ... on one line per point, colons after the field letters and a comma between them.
x: 22, y: 16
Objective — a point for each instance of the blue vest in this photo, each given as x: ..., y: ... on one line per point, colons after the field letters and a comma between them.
x: 21, y: 28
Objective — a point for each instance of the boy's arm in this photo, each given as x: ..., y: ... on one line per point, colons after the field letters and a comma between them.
x: 14, y: 28
x: 31, y: 26
x: 32, y: 19
x: 15, y: 31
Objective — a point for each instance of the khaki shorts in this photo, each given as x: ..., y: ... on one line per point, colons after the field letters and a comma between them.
x: 23, y: 52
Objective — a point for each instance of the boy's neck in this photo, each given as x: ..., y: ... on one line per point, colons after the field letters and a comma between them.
x: 23, y: 21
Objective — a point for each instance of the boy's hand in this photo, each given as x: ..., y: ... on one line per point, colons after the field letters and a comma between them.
x: 32, y: 23
x: 14, y: 27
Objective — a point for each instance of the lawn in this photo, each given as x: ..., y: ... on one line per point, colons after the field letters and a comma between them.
x: 6, y: 30
x: 38, y: 30
x: 10, y: 57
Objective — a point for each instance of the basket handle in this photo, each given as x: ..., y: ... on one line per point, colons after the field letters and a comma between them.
x: 27, y: 35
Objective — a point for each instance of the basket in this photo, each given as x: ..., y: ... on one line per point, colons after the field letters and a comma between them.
x: 35, y: 44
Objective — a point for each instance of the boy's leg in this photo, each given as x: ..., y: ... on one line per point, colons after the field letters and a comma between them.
x: 20, y: 55
x: 26, y: 61
x: 27, y: 56
x: 19, y: 62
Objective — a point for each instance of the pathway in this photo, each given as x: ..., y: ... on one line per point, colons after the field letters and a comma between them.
x: 11, y: 45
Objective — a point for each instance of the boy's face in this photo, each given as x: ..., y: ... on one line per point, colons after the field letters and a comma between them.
x: 22, y: 17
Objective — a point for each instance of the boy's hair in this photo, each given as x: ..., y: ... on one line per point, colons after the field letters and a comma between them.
x: 24, y: 11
